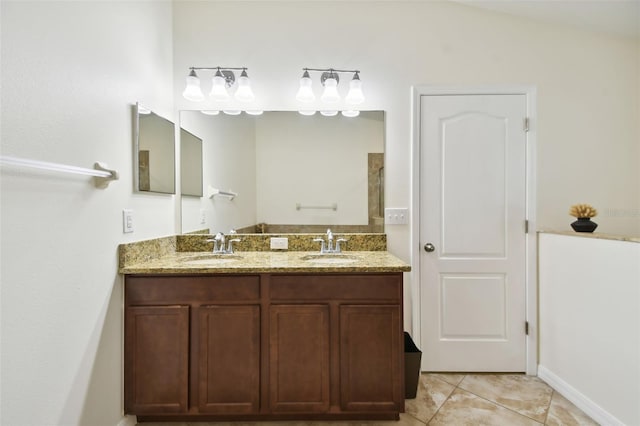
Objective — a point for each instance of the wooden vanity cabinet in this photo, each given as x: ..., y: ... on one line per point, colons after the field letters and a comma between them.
x: 192, y: 344
x: 265, y: 346
x: 156, y: 359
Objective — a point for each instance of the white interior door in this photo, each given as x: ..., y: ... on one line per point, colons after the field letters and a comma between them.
x: 473, y: 210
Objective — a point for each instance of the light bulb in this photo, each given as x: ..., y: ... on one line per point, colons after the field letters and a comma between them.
x: 219, y: 88
x: 193, y: 92
x: 355, y: 95
x: 307, y: 111
x: 244, y: 92
x: 305, y: 92
x: 232, y: 111
x: 329, y: 113
x: 210, y: 112
x: 254, y: 111
x: 330, y: 94
x: 351, y: 113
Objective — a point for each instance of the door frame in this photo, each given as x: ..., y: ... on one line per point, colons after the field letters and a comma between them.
x: 531, y: 280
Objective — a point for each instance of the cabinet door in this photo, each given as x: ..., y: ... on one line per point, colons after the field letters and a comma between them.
x: 371, y: 360
x: 156, y: 359
x: 299, y: 358
x: 229, y: 359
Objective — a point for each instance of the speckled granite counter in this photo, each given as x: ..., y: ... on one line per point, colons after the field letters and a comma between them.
x: 267, y: 262
x: 191, y: 254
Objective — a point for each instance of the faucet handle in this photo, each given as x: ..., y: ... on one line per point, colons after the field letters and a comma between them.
x: 230, y: 244
x: 338, y: 241
x: 322, y: 246
x: 215, y: 243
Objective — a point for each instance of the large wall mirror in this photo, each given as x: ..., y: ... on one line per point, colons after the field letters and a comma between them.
x: 282, y: 172
x: 190, y: 164
x: 154, y: 152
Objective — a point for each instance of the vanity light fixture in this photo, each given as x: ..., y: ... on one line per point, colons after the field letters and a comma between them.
x: 330, y: 78
x: 223, y: 79
x: 351, y: 113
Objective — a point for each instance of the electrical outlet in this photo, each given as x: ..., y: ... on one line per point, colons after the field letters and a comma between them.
x: 203, y: 217
x: 279, y: 243
x: 396, y: 216
x: 127, y: 221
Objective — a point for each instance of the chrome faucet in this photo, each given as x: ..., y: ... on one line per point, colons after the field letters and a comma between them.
x: 219, y: 243
x: 328, y: 246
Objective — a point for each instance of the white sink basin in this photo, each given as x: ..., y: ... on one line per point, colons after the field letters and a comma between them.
x: 330, y: 258
x: 211, y: 259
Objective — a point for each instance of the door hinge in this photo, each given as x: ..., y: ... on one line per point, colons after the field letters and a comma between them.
x: 526, y: 328
x: 525, y: 124
x: 526, y: 226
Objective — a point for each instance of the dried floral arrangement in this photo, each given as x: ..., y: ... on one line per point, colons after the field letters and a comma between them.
x: 582, y: 211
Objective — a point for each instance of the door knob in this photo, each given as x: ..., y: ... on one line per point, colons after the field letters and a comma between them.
x: 429, y: 247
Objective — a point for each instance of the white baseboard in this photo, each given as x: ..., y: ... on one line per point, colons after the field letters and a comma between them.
x: 590, y: 408
x: 128, y: 421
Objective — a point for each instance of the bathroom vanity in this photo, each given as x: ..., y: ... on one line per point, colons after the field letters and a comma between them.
x: 264, y: 336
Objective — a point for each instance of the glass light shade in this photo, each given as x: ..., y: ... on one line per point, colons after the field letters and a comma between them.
x: 305, y: 92
x: 351, y: 113
x: 219, y: 88
x: 232, y: 111
x: 307, y: 112
x: 254, y: 111
x: 355, y: 95
x: 244, y: 92
x: 330, y: 94
x: 329, y: 113
x: 210, y: 112
x: 193, y: 92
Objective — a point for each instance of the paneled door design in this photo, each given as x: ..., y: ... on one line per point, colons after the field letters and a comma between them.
x: 472, y: 229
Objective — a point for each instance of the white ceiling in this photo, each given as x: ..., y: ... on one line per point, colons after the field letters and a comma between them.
x: 621, y: 17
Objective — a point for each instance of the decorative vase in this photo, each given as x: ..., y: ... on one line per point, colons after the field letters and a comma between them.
x: 584, y: 224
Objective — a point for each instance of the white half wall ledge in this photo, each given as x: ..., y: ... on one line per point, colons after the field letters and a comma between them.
x: 589, y: 407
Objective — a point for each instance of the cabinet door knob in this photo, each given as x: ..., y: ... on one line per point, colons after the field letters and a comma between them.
x: 429, y: 247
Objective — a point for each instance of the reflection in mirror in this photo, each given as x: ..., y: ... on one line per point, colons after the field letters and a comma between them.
x: 154, y: 162
x: 190, y: 164
x: 292, y: 173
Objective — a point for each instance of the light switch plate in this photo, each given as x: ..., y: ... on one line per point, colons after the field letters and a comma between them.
x: 396, y: 216
x: 127, y: 221
x: 279, y: 243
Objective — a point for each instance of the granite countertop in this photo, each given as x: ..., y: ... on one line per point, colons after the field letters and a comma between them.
x: 268, y: 262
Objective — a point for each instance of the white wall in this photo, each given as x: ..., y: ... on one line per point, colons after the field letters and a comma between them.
x: 587, y: 85
x: 70, y: 73
x: 590, y: 324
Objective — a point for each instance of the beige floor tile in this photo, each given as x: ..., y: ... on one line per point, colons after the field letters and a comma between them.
x: 451, y: 378
x: 563, y: 413
x: 527, y: 395
x: 405, y: 420
x: 465, y: 409
x: 432, y: 392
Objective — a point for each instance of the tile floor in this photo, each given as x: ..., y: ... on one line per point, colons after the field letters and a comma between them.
x: 468, y: 399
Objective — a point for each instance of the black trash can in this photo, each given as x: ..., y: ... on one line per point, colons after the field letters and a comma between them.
x: 412, y: 356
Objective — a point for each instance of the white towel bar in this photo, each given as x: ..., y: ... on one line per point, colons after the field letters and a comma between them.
x: 103, y: 175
